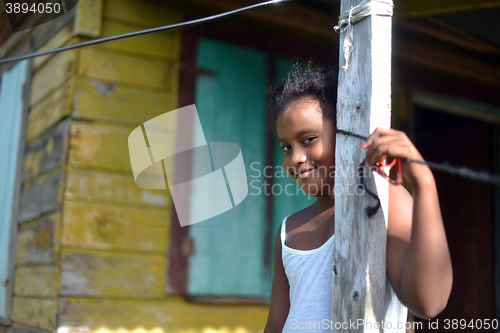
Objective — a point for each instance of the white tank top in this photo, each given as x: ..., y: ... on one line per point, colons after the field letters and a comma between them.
x: 309, y: 277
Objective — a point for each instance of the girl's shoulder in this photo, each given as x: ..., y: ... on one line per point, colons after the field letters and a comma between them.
x: 308, y: 229
x: 299, y: 218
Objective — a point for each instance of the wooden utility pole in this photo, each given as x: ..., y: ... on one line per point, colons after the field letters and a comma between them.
x: 359, y: 280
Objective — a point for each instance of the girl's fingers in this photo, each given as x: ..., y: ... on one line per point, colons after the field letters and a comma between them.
x: 382, y: 146
x: 393, y: 149
x: 378, y: 132
x: 396, y: 144
x: 375, y: 143
x: 389, y: 142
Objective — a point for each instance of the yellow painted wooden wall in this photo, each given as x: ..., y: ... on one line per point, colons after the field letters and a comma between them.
x: 36, y: 279
x: 92, y: 249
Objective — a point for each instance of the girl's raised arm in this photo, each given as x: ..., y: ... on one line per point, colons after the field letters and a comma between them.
x: 418, y: 258
x: 280, y: 299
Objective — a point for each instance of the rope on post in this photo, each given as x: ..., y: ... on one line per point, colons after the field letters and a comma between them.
x: 355, y: 14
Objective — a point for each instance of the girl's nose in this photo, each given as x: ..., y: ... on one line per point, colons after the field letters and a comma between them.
x: 298, y: 157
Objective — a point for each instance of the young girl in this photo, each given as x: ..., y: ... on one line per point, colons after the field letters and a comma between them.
x: 418, y: 259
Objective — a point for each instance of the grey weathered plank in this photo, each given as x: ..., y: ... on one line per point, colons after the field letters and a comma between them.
x: 106, y: 273
x: 364, y: 103
x: 42, y: 196
x: 36, y: 240
x: 36, y: 281
x: 48, y: 151
x: 16, y: 328
x: 34, y: 312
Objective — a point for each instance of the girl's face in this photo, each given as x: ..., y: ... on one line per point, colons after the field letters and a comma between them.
x: 308, y: 143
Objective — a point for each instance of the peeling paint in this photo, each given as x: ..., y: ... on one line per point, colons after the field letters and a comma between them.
x: 32, y: 162
x: 104, y: 88
x: 49, y: 147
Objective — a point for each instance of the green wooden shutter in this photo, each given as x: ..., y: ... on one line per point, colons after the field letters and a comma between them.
x: 228, y: 249
x: 11, y: 115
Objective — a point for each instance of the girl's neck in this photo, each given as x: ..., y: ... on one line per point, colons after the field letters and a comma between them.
x: 324, y: 203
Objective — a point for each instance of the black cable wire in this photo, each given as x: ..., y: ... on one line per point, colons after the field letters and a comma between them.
x: 138, y: 33
x: 444, y: 167
x: 351, y: 134
x: 464, y: 172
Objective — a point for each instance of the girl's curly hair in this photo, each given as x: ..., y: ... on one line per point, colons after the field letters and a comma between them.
x: 318, y: 83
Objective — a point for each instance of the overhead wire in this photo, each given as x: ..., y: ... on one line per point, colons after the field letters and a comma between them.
x: 140, y: 32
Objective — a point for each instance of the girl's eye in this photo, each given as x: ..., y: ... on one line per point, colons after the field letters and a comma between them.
x: 285, y: 148
x: 308, y: 140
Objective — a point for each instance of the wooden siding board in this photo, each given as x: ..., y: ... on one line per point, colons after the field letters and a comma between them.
x: 16, y: 328
x: 142, y: 13
x: 117, y: 189
x: 111, y: 274
x: 88, y: 20
x: 48, y: 151
x: 173, y: 314
x: 98, y: 100
x: 62, y: 37
x: 42, y: 195
x: 93, y: 225
x: 35, y: 281
x: 53, y: 108
x: 35, y: 312
x: 99, y: 145
x: 52, y: 75
x: 37, y: 240
x: 163, y: 44
x: 98, y: 63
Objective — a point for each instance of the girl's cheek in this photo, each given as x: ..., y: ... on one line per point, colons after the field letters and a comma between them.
x: 285, y: 162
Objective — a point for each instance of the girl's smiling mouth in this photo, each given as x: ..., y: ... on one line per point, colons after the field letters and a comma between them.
x: 304, y: 172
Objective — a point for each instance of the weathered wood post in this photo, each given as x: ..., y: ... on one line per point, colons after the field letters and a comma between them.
x: 359, y: 279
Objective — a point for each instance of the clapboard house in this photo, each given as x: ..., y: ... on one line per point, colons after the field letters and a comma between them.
x: 84, y: 249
